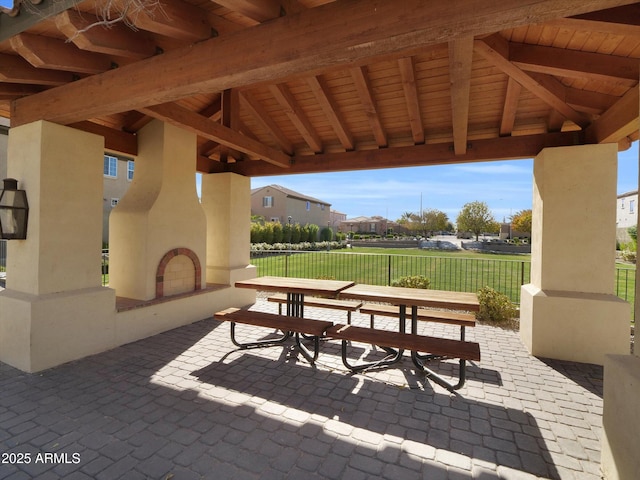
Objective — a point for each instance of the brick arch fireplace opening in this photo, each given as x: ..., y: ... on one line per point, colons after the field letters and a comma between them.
x: 179, y: 271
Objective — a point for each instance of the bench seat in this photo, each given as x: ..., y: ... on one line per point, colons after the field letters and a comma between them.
x: 407, y: 341
x: 291, y: 326
x: 320, y: 302
x: 437, y: 347
x: 440, y: 316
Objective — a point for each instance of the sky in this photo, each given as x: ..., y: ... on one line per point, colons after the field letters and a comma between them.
x: 505, y: 186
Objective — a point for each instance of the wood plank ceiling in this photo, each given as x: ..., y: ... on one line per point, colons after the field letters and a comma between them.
x: 274, y: 87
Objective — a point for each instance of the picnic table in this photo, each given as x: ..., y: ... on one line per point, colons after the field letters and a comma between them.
x: 394, y: 342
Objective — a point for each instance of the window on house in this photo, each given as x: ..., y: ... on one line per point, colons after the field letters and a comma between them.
x: 267, y: 202
x: 322, y: 207
x: 114, y: 202
x: 130, y: 166
x: 275, y: 219
x: 372, y: 227
x: 308, y: 206
x: 632, y: 204
x: 110, y: 166
x: 622, y: 203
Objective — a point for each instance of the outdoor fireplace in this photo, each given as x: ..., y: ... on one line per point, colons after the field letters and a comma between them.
x: 178, y: 272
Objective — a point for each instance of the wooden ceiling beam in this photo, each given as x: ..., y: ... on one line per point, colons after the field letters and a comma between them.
x: 496, y: 50
x: 593, y: 103
x: 286, y: 46
x: 54, y: 54
x: 117, y: 40
x: 624, y: 20
x: 510, y: 107
x: 287, y: 101
x: 11, y: 91
x: 134, y: 121
x: 555, y: 121
x: 229, y: 118
x: 460, y: 61
x: 330, y: 108
x: 213, y: 111
x: 407, y: 74
x: 258, y: 11
x: 202, y: 126
x: 575, y: 64
x: 266, y: 121
x: 502, y: 148
x: 14, y: 69
x: 368, y: 102
x: 619, y: 121
x: 171, y: 18
x: 114, y: 140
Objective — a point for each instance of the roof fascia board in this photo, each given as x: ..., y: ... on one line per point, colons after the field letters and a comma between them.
x: 31, y: 15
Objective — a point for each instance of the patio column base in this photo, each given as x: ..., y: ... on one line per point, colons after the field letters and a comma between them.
x: 573, y: 326
x: 42, y: 331
x: 621, y: 417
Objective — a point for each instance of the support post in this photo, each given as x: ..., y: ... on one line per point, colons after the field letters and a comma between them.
x: 569, y: 310
x: 54, y: 308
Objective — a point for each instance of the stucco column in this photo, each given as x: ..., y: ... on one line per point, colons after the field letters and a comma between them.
x: 569, y: 310
x: 226, y: 199
x: 159, y: 213
x: 54, y: 308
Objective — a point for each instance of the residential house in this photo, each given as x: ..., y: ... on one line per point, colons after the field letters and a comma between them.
x: 626, y: 214
x: 375, y: 225
x: 118, y: 173
x: 336, y: 219
x: 276, y: 204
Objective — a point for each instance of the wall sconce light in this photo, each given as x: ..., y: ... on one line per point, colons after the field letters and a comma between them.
x: 14, y: 211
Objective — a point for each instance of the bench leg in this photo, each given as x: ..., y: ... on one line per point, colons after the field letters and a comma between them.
x: 306, y: 353
x: 393, y: 357
x: 462, y: 373
x: 258, y: 343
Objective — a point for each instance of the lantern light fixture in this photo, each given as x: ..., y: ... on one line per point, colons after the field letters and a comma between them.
x: 14, y: 211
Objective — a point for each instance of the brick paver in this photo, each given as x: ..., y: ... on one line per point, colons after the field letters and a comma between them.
x: 186, y: 404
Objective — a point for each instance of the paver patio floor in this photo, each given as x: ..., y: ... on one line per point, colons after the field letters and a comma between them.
x: 187, y: 404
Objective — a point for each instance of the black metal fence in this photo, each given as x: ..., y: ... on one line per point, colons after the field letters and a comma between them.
x: 3, y: 259
x: 445, y: 273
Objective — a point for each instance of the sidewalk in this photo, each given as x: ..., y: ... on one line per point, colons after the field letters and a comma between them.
x: 186, y: 404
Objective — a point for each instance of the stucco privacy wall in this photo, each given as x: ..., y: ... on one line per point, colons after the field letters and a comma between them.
x: 159, y: 212
x: 54, y: 308
x: 226, y: 199
x: 569, y: 310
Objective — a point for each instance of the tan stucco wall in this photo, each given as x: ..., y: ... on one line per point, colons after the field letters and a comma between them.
x: 159, y: 212
x: 621, y: 418
x: 54, y: 308
x: 226, y: 200
x: 569, y: 310
x: 61, y: 170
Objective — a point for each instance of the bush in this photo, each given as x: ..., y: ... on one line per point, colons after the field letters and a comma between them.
x: 496, y: 308
x: 412, y: 281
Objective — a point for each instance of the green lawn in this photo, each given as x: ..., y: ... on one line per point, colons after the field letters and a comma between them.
x: 456, y: 271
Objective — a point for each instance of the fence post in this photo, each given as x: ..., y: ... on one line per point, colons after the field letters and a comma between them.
x: 521, y: 274
x: 388, y: 271
x: 286, y: 264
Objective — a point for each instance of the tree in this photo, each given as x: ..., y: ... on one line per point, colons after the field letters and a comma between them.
x: 521, y: 221
x: 434, y: 220
x: 475, y: 217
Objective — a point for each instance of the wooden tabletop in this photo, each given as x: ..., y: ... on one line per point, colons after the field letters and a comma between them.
x: 413, y: 296
x: 307, y: 286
